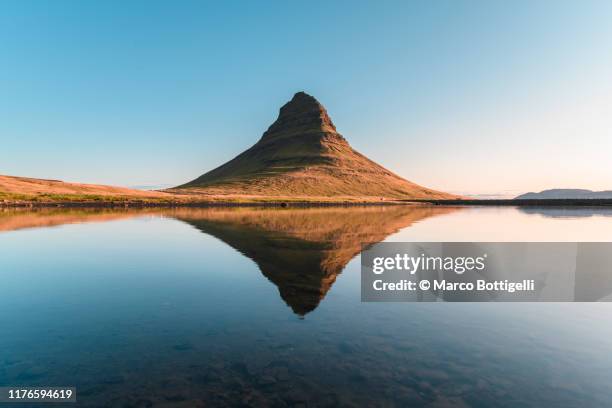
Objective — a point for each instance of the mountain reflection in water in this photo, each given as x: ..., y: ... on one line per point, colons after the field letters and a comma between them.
x: 301, y: 251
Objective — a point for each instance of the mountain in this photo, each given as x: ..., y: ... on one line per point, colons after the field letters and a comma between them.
x: 566, y: 193
x: 302, y: 155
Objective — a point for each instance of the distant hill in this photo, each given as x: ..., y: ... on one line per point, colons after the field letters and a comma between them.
x: 26, y: 188
x: 302, y: 155
x: 567, y: 193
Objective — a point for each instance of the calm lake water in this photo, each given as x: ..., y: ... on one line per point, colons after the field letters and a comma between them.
x: 261, y: 307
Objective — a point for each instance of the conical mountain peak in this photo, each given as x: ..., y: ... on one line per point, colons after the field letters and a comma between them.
x: 302, y: 114
x: 301, y: 155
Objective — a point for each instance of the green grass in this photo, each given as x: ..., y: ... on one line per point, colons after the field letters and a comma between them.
x: 15, y: 197
x: 79, y: 198
x: 180, y: 199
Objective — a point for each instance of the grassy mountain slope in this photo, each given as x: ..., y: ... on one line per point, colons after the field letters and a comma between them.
x: 28, y: 189
x: 302, y: 155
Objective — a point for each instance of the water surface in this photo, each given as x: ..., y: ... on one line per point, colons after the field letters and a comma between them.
x: 261, y: 307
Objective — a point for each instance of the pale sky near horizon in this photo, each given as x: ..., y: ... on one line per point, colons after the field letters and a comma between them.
x: 477, y: 97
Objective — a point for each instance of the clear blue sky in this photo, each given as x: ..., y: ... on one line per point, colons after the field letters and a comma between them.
x: 464, y: 96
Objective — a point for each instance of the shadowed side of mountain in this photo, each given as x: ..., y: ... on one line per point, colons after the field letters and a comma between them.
x: 302, y: 155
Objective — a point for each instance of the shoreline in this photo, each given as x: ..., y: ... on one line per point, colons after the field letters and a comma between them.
x: 548, y: 202
x: 305, y: 204
x: 201, y: 204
